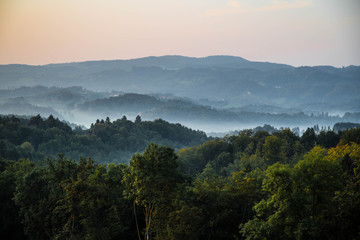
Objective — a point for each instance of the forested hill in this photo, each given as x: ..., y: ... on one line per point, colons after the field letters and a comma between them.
x: 81, y: 106
x: 248, y: 186
x: 150, y: 107
x: 190, y: 113
x: 105, y: 141
x: 233, y: 79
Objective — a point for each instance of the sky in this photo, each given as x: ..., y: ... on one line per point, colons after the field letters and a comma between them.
x: 295, y: 32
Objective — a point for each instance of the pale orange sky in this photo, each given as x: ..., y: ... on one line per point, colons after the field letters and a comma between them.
x: 296, y: 32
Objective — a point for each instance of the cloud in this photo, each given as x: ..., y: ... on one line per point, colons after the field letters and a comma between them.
x: 236, y: 7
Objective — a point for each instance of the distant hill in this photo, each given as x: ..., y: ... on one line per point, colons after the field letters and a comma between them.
x: 342, y: 126
x: 194, y: 115
x: 42, y: 95
x: 20, y: 107
x: 81, y: 106
x: 233, y: 80
x: 46, y: 101
x: 150, y: 107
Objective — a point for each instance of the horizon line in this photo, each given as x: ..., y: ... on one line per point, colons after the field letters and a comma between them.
x: 172, y: 55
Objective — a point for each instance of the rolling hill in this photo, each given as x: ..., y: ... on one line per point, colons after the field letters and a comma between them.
x: 234, y: 80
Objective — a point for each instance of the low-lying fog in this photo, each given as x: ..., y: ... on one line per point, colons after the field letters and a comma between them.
x: 215, y: 129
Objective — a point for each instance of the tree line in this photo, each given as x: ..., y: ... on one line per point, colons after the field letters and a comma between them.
x: 106, y: 141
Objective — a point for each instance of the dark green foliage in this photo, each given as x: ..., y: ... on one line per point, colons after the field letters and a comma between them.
x: 246, y: 151
x: 213, y: 207
x: 315, y: 199
x: 328, y: 139
x: 49, y: 123
x: 351, y: 135
x: 348, y: 200
x: 248, y: 186
x: 152, y: 182
x: 308, y: 139
x: 300, y: 205
x: 69, y: 200
x: 106, y: 141
x: 94, y: 203
x: 10, y: 225
x: 290, y: 139
x: 193, y: 160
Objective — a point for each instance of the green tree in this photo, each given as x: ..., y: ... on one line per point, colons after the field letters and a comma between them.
x: 308, y: 139
x: 31, y: 197
x: 241, y: 141
x: 212, y: 207
x: 138, y: 119
x: 152, y: 180
x: 351, y: 135
x: 328, y: 139
x: 301, y: 200
x: 107, y: 120
x: 193, y: 160
x: 348, y: 222
x: 94, y: 203
x: 274, y: 150
x: 289, y: 139
x: 10, y: 222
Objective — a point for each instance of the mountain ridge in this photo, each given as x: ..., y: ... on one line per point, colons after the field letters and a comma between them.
x: 234, y: 80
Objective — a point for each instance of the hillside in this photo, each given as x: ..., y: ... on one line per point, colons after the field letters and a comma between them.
x: 194, y: 115
x: 237, y: 81
x: 81, y: 106
x: 105, y: 141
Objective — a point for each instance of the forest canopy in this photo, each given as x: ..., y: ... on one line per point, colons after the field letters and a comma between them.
x: 253, y: 185
x: 106, y: 142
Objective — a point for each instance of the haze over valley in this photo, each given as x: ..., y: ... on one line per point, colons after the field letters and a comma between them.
x: 217, y: 93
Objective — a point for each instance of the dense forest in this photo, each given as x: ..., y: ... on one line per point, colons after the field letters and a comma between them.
x: 105, y: 141
x: 253, y: 185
